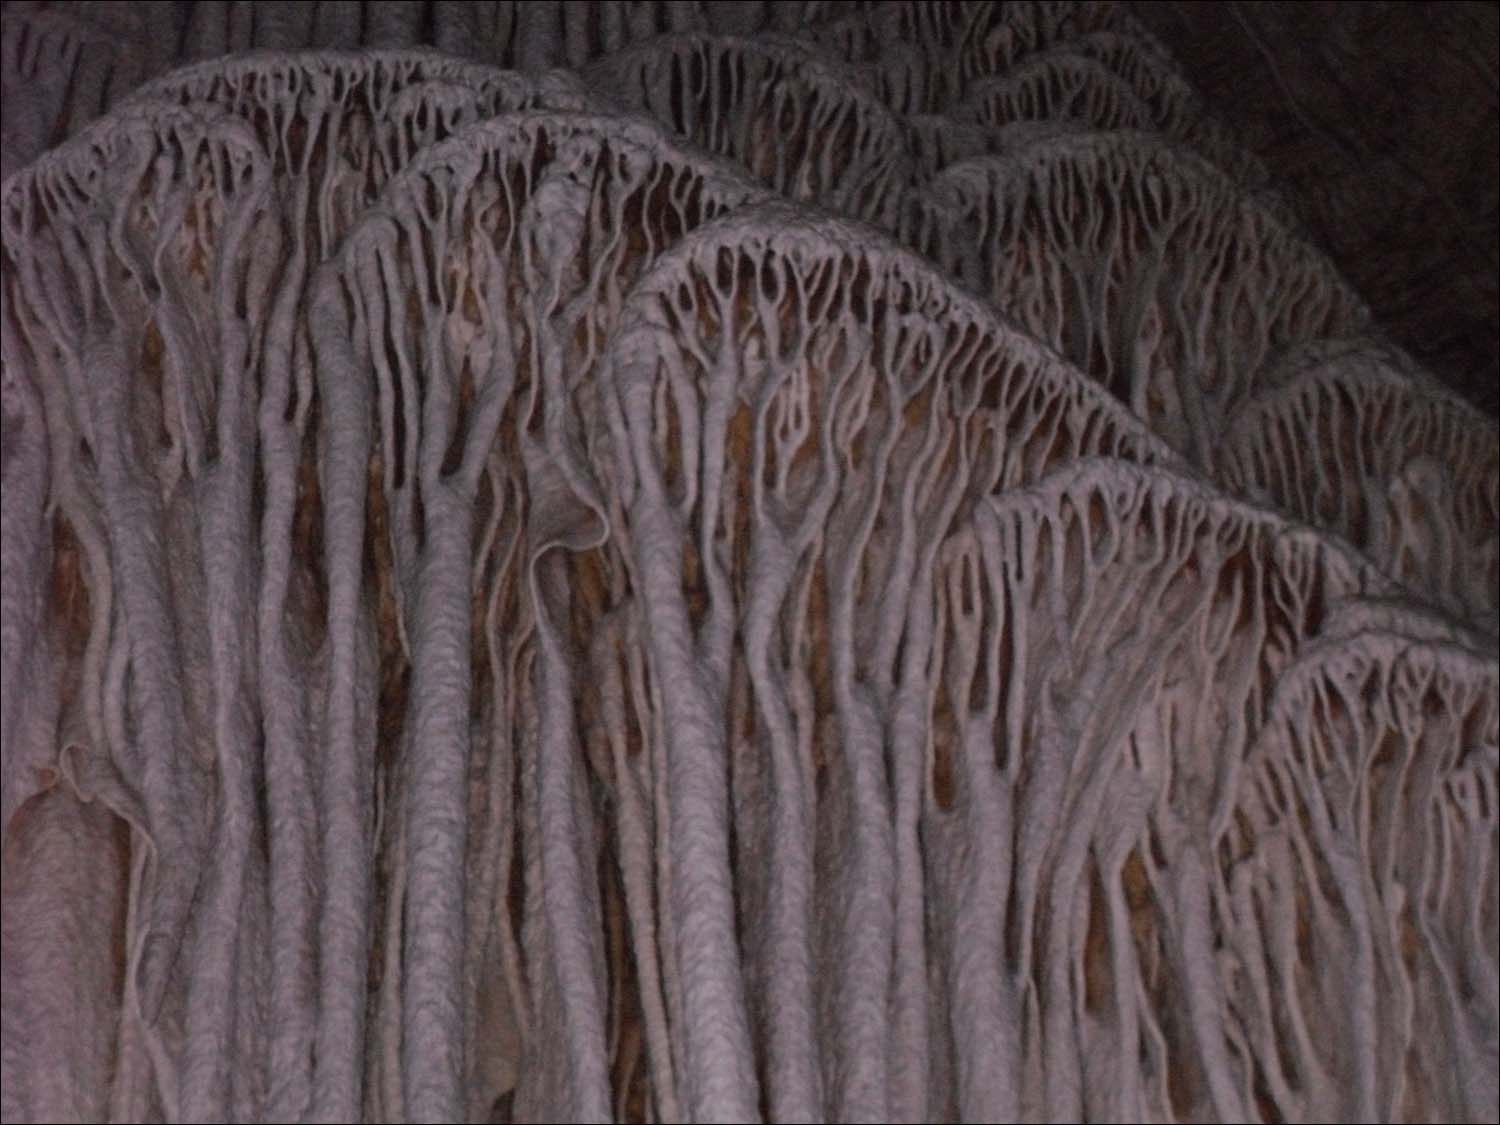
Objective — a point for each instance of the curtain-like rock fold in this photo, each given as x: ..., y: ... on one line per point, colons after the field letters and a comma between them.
x: 686, y: 561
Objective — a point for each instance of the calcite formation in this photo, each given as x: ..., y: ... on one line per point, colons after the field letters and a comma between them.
x: 704, y: 561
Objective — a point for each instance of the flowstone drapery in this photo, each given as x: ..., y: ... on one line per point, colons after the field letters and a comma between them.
x: 1349, y: 437
x: 994, y: 37
x: 1103, y: 82
x: 513, y: 609
x: 810, y: 413
x: 1354, y: 890
x: 1062, y: 86
x: 482, y: 298
x: 1115, y: 660
x: 1145, y: 265
x: 799, y: 124
x: 1175, y: 108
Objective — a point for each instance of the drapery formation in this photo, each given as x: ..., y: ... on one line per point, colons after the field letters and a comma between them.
x: 780, y: 571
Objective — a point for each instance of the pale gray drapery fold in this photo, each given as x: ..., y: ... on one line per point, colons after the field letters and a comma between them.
x: 689, y: 561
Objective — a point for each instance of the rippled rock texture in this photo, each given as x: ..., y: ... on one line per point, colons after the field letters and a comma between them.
x: 675, y: 561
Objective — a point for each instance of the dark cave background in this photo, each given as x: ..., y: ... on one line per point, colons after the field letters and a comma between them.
x: 1380, y: 122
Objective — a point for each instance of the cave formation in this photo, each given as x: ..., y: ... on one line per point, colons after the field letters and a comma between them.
x: 703, y: 561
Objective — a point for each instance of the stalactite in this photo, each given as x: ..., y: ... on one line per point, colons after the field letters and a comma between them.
x: 809, y: 445
x: 997, y: 36
x: 518, y: 245
x: 1144, y: 264
x: 1349, y: 436
x: 1359, y: 878
x: 518, y: 610
x: 1175, y: 107
x: 801, y: 126
x: 1059, y: 86
x: 1114, y: 595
